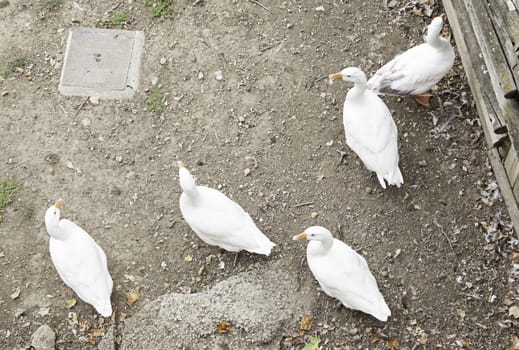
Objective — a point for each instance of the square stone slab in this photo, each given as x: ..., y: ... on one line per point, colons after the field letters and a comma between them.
x: 101, y: 62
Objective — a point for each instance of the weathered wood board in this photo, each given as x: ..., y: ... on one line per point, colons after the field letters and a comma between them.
x: 487, y: 37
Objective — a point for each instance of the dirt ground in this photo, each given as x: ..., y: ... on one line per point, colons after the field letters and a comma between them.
x: 438, y: 246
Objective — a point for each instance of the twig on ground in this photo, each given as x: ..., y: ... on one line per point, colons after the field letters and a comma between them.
x: 259, y: 4
x: 303, y: 204
x: 80, y: 107
x: 435, y: 222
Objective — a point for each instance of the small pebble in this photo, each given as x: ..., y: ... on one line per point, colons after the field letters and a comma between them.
x: 314, y: 214
x: 15, y: 294
x: 422, y: 163
x: 44, y: 338
x: 218, y: 75
x: 163, y: 60
x: 19, y: 313
x: 44, y: 311
x: 200, y: 76
x: 94, y: 100
x: 86, y: 122
x: 246, y: 171
x: 319, y: 8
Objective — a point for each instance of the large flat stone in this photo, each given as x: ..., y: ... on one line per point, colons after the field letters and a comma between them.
x: 101, y: 62
x: 259, y: 305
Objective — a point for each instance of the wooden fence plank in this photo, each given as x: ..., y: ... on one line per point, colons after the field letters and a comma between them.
x: 482, y: 90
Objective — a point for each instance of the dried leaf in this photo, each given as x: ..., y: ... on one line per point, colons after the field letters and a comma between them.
x: 201, y: 271
x: 122, y: 316
x: 97, y: 332
x: 424, y: 338
x: 133, y: 296
x: 460, y: 313
x: 466, y: 345
x: 313, y: 343
x: 72, y: 319
x: 515, y: 257
x: 314, y: 214
x: 515, y: 343
x: 129, y: 277
x: 223, y: 327
x: 188, y: 258
x: 393, y: 344
x: 69, y: 164
x: 514, y: 311
x: 69, y: 303
x: 306, y: 323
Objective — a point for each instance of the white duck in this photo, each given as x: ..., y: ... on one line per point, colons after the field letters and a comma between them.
x: 218, y: 220
x: 418, y: 69
x: 370, y: 129
x: 79, y: 260
x: 343, y: 273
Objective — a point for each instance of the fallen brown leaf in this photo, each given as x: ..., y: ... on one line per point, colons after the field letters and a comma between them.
x: 393, y: 344
x: 306, y: 323
x: 515, y: 343
x: 133, y: 296
x: 467, y: 345
x: 460, y: 313
x: 201, y: 271
x: 97, y: 332
x: 223, y: 327
x: 72, y: 319
x: 92, y: 340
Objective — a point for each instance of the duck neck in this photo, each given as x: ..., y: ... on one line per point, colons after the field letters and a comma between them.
x: 191, y: 191
x: 358, y: 90
x: 327, y: 244
x: 436, y: 41
x: 323, y: 246
x: 56, y: 232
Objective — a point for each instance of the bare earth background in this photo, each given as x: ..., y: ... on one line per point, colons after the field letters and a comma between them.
x: 439, y: 246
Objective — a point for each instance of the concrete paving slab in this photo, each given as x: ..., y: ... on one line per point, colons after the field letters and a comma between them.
x: 101, y: 62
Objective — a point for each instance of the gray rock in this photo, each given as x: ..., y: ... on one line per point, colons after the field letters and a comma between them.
x: 258, y: 304
x: 108, y: 341
x: 44, y: 338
